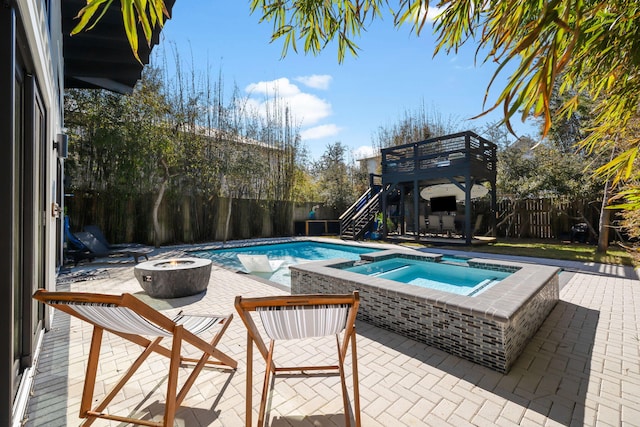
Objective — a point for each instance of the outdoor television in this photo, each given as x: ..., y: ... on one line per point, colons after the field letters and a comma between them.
x: 443, y: 204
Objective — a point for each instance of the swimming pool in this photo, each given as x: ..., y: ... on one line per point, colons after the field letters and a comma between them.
x: 449, y: 276
x: 291, y: 253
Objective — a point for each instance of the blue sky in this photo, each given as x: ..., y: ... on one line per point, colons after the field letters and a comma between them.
x: 395, y: 72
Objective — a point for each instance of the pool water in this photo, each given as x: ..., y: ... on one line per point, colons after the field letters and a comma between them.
x: 455, y: 259
x: 443, y: 276
x: 292, y: 253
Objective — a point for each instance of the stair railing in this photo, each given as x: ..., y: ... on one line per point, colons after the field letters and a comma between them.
x: 356, y: 219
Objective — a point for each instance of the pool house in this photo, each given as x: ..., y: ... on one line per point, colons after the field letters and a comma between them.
x: 427, y: 188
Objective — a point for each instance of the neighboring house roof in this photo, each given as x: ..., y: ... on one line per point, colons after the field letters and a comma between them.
x: 221, y: 135
x: 101, y: 58
x: 371, y: 164
x: 373, y: 158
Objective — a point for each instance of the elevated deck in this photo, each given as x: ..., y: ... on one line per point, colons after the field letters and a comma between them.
x: 439, y: 241
x: 448, y: 165
x: 449, y: 158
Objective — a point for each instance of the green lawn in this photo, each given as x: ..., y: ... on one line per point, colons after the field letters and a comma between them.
x: 554, y: 250
x: 616, y: 255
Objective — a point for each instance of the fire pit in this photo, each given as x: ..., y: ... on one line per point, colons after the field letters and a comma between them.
x: 173, y: 278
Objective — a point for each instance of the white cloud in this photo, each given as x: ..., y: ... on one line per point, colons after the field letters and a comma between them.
x: 281, y: 87
x: 309, y: 108
x: 316, y: 81
x: 321, y: 131
x: 364, y: 152
x: 433, y: 12
x: 306, y: 108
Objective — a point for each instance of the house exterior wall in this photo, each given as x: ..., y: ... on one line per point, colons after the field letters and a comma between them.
x: 7, y: 47
x: 371, y: 164
x: 32, y: 169
x: 30, y: 119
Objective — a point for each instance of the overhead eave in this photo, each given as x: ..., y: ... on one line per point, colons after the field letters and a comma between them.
x: 102, y: 58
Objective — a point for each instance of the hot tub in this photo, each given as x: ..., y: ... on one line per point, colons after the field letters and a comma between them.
x: 457, y: 278
x: 490, y: 327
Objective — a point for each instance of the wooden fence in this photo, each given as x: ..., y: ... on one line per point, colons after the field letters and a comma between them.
x: 193, y: 219
x: 183, y: 219
x: 540, y: 218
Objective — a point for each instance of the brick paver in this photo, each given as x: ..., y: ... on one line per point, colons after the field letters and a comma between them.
x: 581, y: 368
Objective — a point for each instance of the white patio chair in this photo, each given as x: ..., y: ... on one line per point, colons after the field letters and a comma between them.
x: 128, y: 317
x: 299, y: 317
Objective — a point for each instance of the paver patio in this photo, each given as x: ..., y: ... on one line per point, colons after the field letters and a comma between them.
x: 581, y: 368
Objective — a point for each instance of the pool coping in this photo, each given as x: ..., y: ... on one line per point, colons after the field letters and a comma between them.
x: 523, y: 284
x: 242, y: 243
x: 247, y: 243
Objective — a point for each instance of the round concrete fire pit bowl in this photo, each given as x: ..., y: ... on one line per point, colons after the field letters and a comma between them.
x: 173, y: 278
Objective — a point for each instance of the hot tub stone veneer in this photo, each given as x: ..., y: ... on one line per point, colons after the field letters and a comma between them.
x: 491, y: 328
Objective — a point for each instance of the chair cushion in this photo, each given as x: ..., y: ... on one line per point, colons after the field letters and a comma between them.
x: 120, y: 319
x: 285, y: 323
x: 197, y: 324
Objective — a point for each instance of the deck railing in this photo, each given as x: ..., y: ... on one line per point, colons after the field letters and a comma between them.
x: 430, y: 157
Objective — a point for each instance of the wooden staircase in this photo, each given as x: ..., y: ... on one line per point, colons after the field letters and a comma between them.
x: 356, y: 220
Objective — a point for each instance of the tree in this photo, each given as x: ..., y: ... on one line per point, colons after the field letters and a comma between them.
x: 567, y: 131
x: 586, y: 41
x: 497, y: 133
x: 228, y: 149
x: 586, y: 48
x: 121, y: 143
x: 629, y: 195
x: 543, y: 172
x: 630, y: 223
x: 97, y: 123
x: 565, y: 135
x: 332, y: 175
x: 150, y: 112
x: 181, y: 141
x: 415, y: 126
